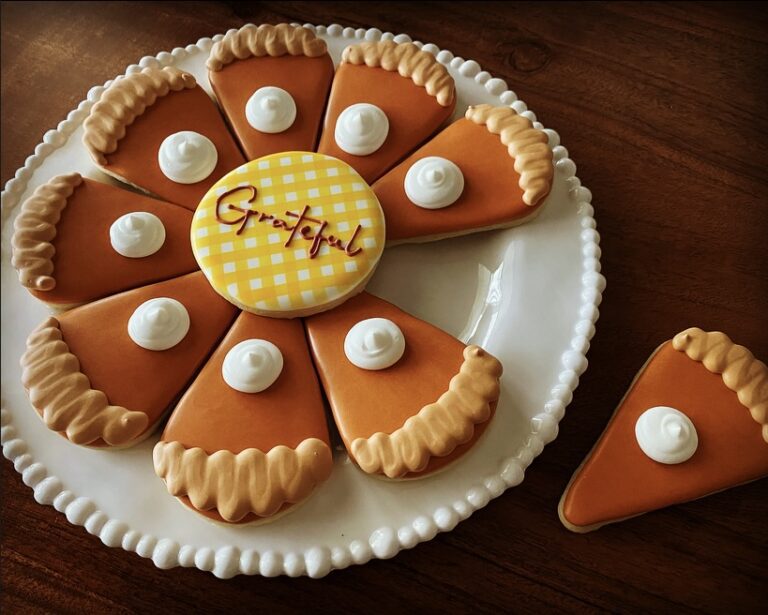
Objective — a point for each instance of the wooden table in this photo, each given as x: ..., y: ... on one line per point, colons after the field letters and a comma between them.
x: 663, y: 107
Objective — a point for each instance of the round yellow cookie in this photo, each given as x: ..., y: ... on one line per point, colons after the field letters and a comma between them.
x: 288, y: 235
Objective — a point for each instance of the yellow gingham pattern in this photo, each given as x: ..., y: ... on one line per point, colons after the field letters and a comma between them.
x: 255, y: 269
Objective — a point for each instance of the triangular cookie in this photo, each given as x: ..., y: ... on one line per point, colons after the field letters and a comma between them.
x: 68, y: 233
x: 239, y: 455
x: 128, y: 134
x: 90, y: 380
x: 415, y: 406
x: 642, y: 464
x: 272, y: 83
x: 504, y: 173
x: 412, y: 89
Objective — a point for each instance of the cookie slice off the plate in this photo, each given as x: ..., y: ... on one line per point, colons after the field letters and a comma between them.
x: 105, y: 374
x: 76, y: 240
x: 272, y: 83
x: 491, y: 169
x: 694, y: 422
x: 249, y: 438
x: 158, y: 130
x: 407, y: 397
x: 387, y: 99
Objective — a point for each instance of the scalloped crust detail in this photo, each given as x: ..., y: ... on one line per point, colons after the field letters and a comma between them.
x: 35, y: 228
x: 528, y: 147
x: 125, y: 100
x: 438, y: 428
x: 247, y: 482
x: 408, y: 60
x: 744, y: 374
x: 63, y: 396
x: 265, y: 40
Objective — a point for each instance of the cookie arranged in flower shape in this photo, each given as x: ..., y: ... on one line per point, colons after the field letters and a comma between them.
x: 203, y: 325
x: 289, y: 234
x: 694, y: 422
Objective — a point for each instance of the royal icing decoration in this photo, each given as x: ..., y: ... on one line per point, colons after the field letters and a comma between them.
x: 361, y: 129
x: 666, y: 435
x: 159, y: 324
x: 374, y: 343
x: 187, y: 157
x: 288, y: 232
x: 252, y: 366
x: 434, y: 182
x: 137, y: 234
x: 271, y: 110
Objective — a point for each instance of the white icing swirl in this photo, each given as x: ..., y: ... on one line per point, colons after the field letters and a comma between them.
x: 361, y: 129
x: 375, y: 343
x: 137, y: 234
x: 666, y: 435
x: 252, y: 366
x: 187, y: 157
x: 270, y: 109
x: 159, y: 324
x: 434, y: 182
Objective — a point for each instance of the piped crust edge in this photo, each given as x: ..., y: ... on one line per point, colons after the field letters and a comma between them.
x: 744, y: 374
x: 411, y: 62
x: 63, y: 396
x: 438, y: 428
x: 123, y: 101
x: 35, y: 229
x: 247, y: 482
x: 265, y: 40
x: 528, y: 146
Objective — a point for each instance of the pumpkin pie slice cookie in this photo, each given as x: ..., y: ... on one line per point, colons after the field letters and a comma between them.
x: 76, y: 240
x: 249, y: 438
x: 159, y: 131
x: 272, y: 83
x: 694, y: 422
x: 387, y: 99
x: 106, y: 373
x: 407, y: 397
x: 491, y: 169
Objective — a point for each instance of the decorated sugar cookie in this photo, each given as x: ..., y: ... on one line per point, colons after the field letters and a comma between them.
x: 289, y: 234
x: 272, y: 83
x: 407, y: 397
x: 249, y: 438
x: 106, y: 373
x: 491, y: 169
x: 694, y: 422
x: 387, y: 99
x: 159, y: 131
x: 76, y: 240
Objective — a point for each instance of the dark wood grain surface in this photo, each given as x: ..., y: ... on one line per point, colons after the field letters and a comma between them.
x: 663, y: 107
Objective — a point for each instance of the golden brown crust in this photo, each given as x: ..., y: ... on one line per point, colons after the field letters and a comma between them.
x: 528, y: 146
x: 265, y: 40
x: 35, y: 229
x: 742, y: 372
x: 63, y: 396
x: 125, y: 100
x: 247, y: 482
x: 408, y: 60
x: 438, y: 428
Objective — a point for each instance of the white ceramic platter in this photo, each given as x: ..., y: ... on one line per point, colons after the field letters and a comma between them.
x: 529, y: 295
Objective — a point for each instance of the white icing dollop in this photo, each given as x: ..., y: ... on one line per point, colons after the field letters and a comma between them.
x: 434, y: 182
x: 270, y: 109
x: 252, y: 366
x: 137, y: 234
x: 159, y: 324
x: 361, y: 129
x: 375, y: 343
x: 666, y: 435
x: 187, y: 157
